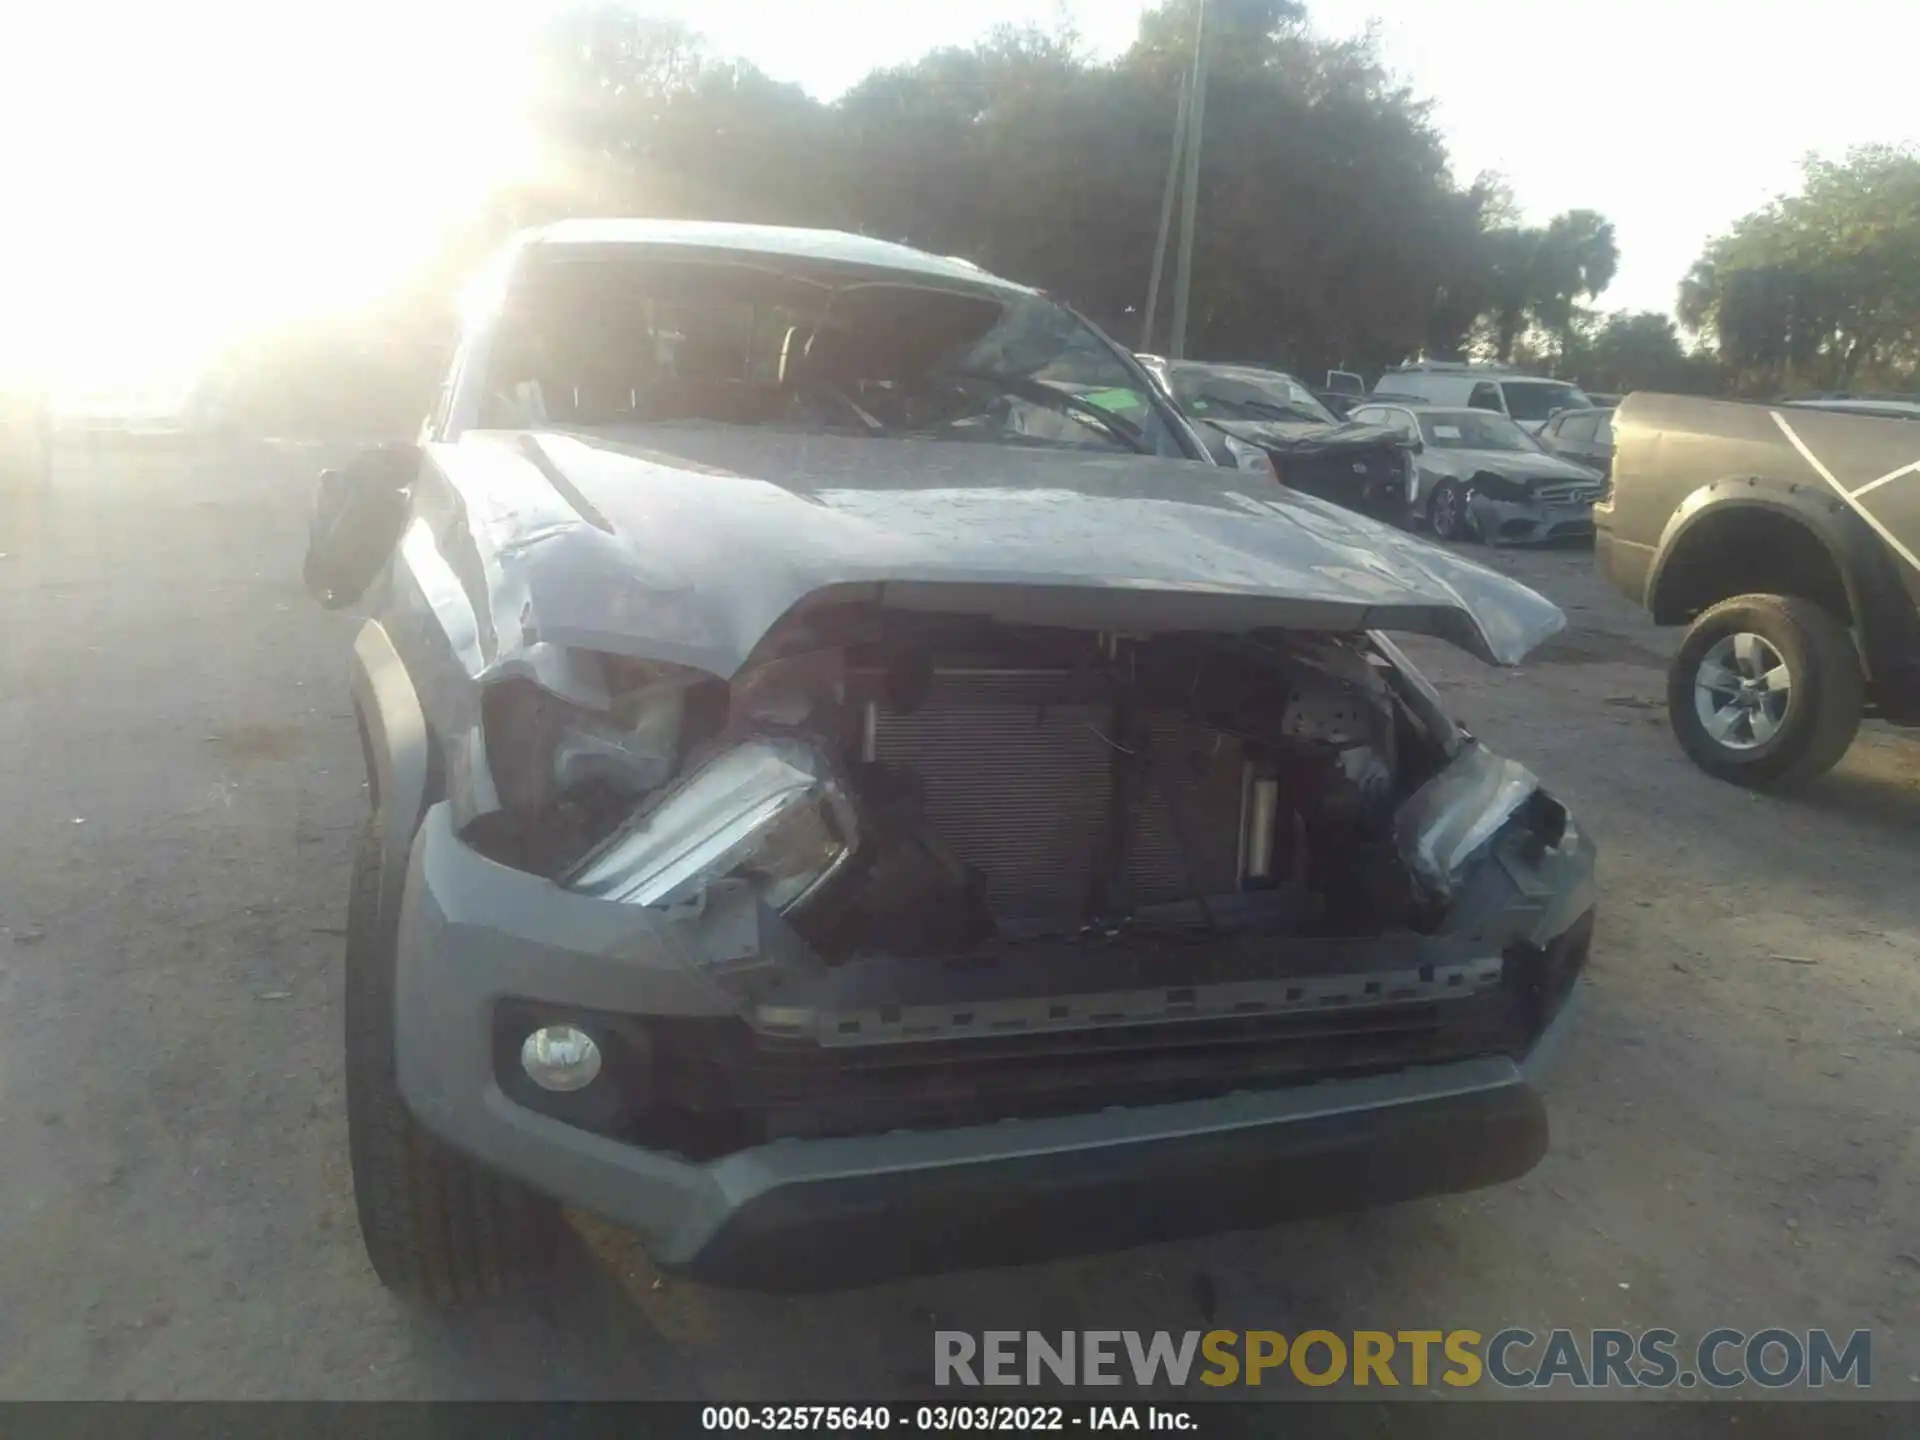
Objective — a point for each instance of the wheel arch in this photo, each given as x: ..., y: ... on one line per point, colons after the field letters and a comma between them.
x: 397, y: 748
x: 1748, y: 535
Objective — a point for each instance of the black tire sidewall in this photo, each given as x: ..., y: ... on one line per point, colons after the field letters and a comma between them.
x: 437, y: 1226
x: 377, y: 1120
x: 1813, y: 661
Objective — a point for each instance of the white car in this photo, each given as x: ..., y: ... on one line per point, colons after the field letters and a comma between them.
x: 1528, y: 400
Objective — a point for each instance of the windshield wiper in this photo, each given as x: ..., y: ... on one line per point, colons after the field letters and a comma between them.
x: 1066, y: 403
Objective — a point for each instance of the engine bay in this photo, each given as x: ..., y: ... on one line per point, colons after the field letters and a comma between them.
x: 1006, y: 784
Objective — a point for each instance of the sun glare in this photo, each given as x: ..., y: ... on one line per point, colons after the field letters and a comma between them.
x: 222, y: 170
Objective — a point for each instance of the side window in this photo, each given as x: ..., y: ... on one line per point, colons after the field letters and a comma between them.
x: 1577, y: 428
x: 1486, y: 396
x: 1368, y: 415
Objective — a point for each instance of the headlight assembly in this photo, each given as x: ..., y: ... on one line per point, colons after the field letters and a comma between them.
x: 1250, y: 458
x: 768, y: 811
x: 1450, y: 819
x: 1498, y: 487
x: 566, y: 776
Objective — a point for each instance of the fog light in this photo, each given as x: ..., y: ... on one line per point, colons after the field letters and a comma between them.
x: 560, y: 1057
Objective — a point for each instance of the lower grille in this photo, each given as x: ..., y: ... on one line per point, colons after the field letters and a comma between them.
x: 732, y: 1088
x: 708, y: 1086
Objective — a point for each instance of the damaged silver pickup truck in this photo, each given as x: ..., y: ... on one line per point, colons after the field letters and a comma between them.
x: 846, y: 804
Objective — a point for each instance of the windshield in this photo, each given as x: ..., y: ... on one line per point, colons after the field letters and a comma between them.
x: 1217, y: 392
x: 1539, y: 399
x: 1473, y: 430
x: 603, y: 342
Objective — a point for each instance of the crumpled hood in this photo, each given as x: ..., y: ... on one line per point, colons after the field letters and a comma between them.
x: 1305, y: 437
x: 688, y: 545
x: 1538, y: 465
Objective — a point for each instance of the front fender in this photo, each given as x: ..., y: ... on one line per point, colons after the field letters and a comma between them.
x: 402, y: 765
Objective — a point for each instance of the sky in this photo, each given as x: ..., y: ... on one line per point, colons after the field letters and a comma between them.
x: 176, y: 172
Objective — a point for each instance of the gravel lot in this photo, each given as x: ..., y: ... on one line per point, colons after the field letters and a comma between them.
x: 1735, y: 1115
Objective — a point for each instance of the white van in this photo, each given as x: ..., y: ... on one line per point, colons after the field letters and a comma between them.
x: 1529, y: 400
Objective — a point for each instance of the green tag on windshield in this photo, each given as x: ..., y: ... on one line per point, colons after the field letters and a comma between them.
x: 1115, y: 400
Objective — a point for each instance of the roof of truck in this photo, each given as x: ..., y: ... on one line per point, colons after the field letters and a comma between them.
x: 776, y: 241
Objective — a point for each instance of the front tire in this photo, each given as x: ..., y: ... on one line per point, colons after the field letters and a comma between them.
x: 437, y: 1227
x: 1766, y: 690
x: 1447, y: 512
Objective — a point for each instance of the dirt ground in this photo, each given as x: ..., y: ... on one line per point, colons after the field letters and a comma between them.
x: 1734, y: 1115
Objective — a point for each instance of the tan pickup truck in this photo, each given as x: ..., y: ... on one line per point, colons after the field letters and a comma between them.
x: 1784, y: 537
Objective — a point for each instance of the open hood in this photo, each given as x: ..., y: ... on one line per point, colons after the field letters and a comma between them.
x: 689, y: 544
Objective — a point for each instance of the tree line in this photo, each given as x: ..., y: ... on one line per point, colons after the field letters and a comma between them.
x: 1332, y: 231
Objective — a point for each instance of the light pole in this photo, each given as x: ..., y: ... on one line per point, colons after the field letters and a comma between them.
x: 1174, y: 157
x: 1190, y: 200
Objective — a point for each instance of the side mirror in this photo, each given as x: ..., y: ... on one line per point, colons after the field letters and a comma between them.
x: 1418, y: 446
x: 358, y: 514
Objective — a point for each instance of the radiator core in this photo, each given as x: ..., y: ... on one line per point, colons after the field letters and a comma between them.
x: 1019, y: 783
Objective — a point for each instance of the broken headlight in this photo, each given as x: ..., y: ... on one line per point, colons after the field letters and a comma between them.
x: 768, y: 811
x: 567, y: 775
x: 1496, y: 486
x: 1450, y: 819
x: 1250, y: 458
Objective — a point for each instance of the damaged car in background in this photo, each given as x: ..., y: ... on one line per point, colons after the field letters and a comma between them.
x: 1265, y: 420
x: 844, y: 804
x: 1479, y: 476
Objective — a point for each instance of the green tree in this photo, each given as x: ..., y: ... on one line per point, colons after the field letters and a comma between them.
x: 1328, y: 221
x: 1821, y: 288
x: 1575, y: 256
x: 1533, y: 276
x: 1639, y: 351
x: 1246, y: 34
x: 1465, y: 287
x: 640, y: 116
x: 1512, y: 269
x: 1331, y: 230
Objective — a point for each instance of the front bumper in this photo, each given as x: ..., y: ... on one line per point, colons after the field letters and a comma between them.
x: 823, y: 1213
x: 1527, y: 522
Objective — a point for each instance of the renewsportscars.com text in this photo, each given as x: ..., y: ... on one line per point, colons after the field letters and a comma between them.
x: 1514, y: 1358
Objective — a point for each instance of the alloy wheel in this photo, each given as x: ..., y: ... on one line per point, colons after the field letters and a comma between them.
x: 1741, y: 691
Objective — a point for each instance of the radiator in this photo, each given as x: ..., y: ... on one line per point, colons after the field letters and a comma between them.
x: 1018, y: 783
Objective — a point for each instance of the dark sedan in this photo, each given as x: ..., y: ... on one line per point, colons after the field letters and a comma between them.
x: 1240, y: 407
x: 1582, y: 436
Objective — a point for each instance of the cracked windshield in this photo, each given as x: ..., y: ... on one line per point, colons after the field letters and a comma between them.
x: 1044, y: 715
